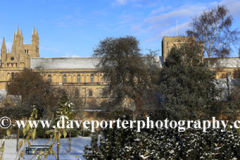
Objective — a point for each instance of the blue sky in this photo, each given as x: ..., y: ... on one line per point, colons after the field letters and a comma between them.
x: 73, y: 28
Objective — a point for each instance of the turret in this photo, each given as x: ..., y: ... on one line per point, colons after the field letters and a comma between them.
x: 17, y: 31
x: 18, y: 37
x: 33, y: 36
x: 33, y: 30
x: 21, y: 35
x: 3, y: 50
x: 37, y: 38
x: 14, y: 44
x: 37, y: 43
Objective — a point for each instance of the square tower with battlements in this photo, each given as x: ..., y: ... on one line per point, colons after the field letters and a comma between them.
x: 169, y: 42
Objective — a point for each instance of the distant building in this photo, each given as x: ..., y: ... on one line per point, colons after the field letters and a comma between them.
x: 80, y: 73
x: 224, y: 66
x: 169, y: 42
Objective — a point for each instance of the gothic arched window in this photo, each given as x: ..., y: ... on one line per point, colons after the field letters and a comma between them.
x: 90, y: 93
x: 104, y: 78
x: 92, y: 78
x: 78, y: 78
x: 49, y: 78
x: 64, y: 79
x: 12, y: 75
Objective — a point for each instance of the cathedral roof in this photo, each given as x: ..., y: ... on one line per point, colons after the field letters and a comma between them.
x: 70, y: 63
x: 64, y: 63
x: 226, y: 62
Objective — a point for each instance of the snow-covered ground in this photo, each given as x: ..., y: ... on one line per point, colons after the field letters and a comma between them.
x: 77, y: 148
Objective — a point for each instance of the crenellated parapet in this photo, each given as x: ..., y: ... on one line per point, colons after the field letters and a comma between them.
x: 170, y: 41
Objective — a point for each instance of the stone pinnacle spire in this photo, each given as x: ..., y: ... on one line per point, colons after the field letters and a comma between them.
x: 13, y: 45
x: 37, y: 33
x: 17, y: 31
x: 14, y: 37
x: 21, y: 33
x: 3, y: 44
x: 33, y: 31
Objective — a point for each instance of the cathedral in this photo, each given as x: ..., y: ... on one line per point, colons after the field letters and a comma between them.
x: 19, y: 57
x: 78, y: 72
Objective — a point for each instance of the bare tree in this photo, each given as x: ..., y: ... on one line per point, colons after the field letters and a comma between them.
x: 34, y: 90
x: 130, y: 74
x: 213, y: 28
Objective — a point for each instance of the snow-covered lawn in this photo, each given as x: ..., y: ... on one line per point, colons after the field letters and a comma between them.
x: 77, y: 148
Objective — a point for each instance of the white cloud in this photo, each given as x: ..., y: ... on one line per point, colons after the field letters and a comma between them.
x: 120, y: 2
x: 171, y: 31
x: 124, y: 2
x: 184, y: 12
x: 161, y: 9
x: 232, y: 5
x: 162, y: 22
x: 147, y: 3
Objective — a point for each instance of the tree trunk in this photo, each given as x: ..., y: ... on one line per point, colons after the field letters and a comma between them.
x: 70, y: 142
x: 17, y: 139
x: 44, y: 133
x: 57, y: 152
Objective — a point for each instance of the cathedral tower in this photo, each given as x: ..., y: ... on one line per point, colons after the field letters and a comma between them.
x: 19, y: 57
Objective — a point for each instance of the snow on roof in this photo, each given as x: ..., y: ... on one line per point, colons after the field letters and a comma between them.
x: 3, y: 94
x: 158, y: 60
x: 227, y: 62
x: 64, y: 63
x: 70, y: 63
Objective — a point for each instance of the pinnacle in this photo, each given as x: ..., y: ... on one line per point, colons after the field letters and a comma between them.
x: 14, y: 36
x: 3, y: 44
x: 33, y: 30
x: 37, y: 32
x: 17, y: 30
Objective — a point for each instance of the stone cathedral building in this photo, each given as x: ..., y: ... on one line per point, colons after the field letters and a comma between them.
x: 77, y: 72
x: 19, y: 57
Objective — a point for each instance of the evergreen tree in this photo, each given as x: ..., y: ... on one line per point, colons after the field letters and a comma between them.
x: 187, y: 84
x: 64, y: 109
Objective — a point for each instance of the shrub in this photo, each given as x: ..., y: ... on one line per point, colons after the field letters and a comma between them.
x: 2, y: 133
x: 40, y: 131
x: 74, y: 133
x: 86, y: 132
x: 193, y: 144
